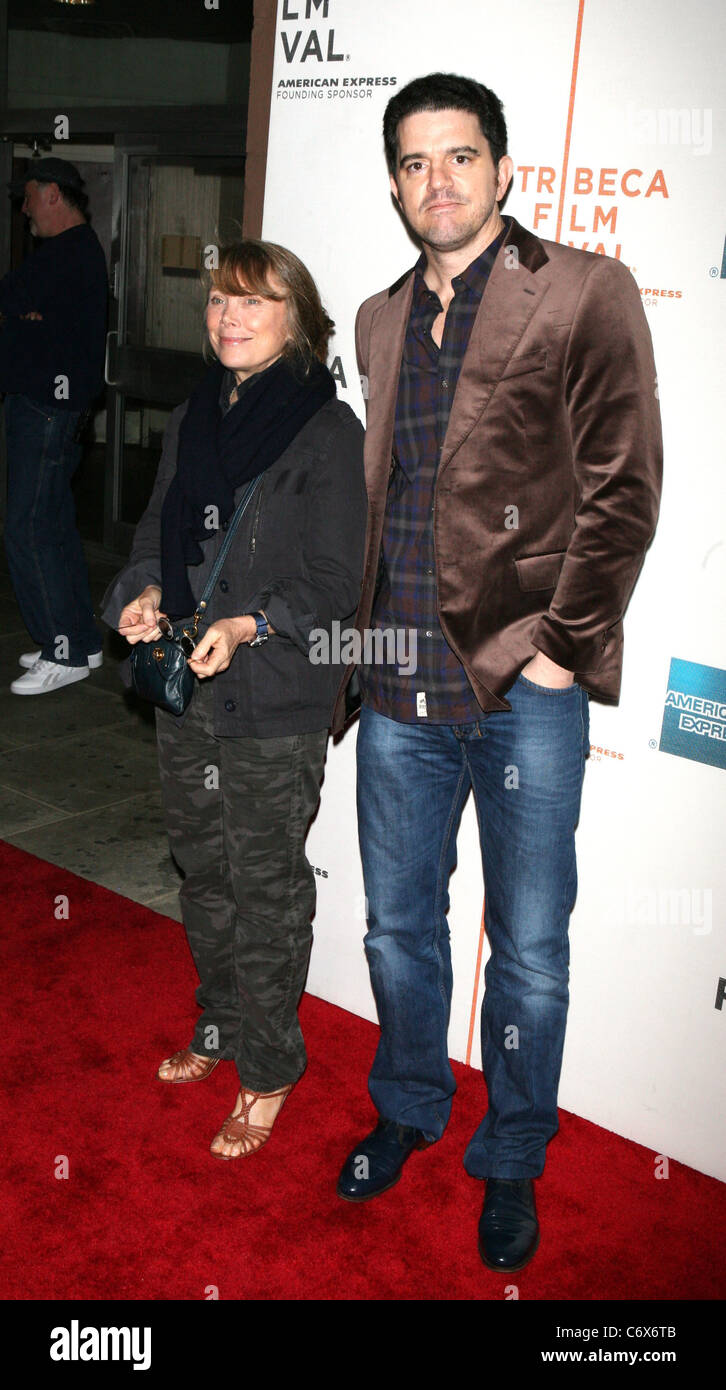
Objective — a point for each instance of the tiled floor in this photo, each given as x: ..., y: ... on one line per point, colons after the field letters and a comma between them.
x: 79, y: 783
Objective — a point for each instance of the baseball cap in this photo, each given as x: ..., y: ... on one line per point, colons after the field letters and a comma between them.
x: 49, y: 170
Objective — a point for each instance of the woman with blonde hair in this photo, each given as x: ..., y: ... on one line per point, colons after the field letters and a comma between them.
x: 241, y: 767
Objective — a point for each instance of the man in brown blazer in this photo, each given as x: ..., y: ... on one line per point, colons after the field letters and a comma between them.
x: 513, y: 465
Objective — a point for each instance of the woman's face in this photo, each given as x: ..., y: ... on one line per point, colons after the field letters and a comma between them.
x: 246, y: 331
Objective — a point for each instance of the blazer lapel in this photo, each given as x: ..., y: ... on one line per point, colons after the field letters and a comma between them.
x: 512, y: 295
x: 388, y: 332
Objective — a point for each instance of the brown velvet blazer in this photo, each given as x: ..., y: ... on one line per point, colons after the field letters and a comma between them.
x: 548, y: 484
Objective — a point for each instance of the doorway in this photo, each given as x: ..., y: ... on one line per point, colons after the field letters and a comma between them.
x: 150, y: 101
x: 170, y: 213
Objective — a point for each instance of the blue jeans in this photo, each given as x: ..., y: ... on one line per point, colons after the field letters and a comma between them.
x: 45, y: 555
x: 525, y: 767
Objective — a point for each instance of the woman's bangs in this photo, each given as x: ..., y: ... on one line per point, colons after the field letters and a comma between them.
x: 241, y: 275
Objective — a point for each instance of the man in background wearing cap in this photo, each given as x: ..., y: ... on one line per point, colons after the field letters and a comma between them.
x: 52, y: 335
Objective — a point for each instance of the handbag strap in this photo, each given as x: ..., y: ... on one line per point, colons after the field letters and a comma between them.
x: 224, y: 550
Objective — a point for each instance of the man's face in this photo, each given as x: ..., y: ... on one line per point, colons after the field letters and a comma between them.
x: 38, y: 206
x: 446, y: 183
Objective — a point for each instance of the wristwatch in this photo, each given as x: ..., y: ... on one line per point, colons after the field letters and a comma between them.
x: 263, y: 630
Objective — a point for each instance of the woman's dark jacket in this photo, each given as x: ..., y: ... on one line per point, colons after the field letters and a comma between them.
x: 297, y: 554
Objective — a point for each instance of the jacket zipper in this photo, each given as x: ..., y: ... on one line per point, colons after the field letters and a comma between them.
x: 253, y: 538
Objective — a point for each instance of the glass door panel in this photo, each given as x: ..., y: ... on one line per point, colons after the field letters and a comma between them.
x: 167, y: 212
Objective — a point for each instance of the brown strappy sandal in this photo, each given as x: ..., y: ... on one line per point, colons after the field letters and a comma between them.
x: 193, y: 1066
x: 237, y: 1128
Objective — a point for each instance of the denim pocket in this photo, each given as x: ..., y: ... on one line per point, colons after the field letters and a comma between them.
x: 548, y: 689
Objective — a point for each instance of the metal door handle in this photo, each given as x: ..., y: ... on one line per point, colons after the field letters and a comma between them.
x: 113, y: 333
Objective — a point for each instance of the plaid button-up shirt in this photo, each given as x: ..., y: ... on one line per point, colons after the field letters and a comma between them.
x: 438, y: 690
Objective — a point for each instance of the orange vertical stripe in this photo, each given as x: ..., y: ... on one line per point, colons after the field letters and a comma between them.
x: 472, y: 1019
x: 570, y: 110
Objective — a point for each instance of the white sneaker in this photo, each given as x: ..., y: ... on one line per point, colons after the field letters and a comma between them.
x: 45, y: 676
x: 29, y: 659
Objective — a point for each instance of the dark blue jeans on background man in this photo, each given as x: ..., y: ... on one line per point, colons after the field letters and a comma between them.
x: 526, y: 769
x: 45, y: 555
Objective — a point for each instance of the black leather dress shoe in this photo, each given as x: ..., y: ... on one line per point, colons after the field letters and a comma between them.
x: 508, y: 1227
x: 375, y: 1163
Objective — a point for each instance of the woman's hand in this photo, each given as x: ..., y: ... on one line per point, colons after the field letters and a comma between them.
x: 216, y: 648
x: 139, y: 621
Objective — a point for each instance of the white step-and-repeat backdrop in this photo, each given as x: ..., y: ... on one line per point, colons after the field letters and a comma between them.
x: 616, y: 121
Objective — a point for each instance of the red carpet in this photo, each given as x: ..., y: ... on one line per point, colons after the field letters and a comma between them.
x: 146, y: 1213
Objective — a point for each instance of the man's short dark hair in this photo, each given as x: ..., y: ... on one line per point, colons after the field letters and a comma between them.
x: 445, y: 91
x: 74, y: 198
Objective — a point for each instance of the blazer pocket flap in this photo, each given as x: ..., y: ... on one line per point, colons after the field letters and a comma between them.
x: 528, y: 362
x: 540, y: 571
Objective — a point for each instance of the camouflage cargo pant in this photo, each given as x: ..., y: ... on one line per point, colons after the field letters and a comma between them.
x: 237, y: 813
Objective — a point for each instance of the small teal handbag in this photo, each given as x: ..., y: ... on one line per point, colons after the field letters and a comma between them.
x: 160, y: 671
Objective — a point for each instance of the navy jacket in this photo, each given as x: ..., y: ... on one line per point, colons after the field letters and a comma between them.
x: 65, y: 280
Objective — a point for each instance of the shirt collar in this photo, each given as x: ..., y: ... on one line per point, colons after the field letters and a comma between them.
x: 225, y: 390
x: 227, y: 386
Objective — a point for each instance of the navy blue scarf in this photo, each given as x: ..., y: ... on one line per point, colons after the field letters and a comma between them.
x: 218, y: 453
